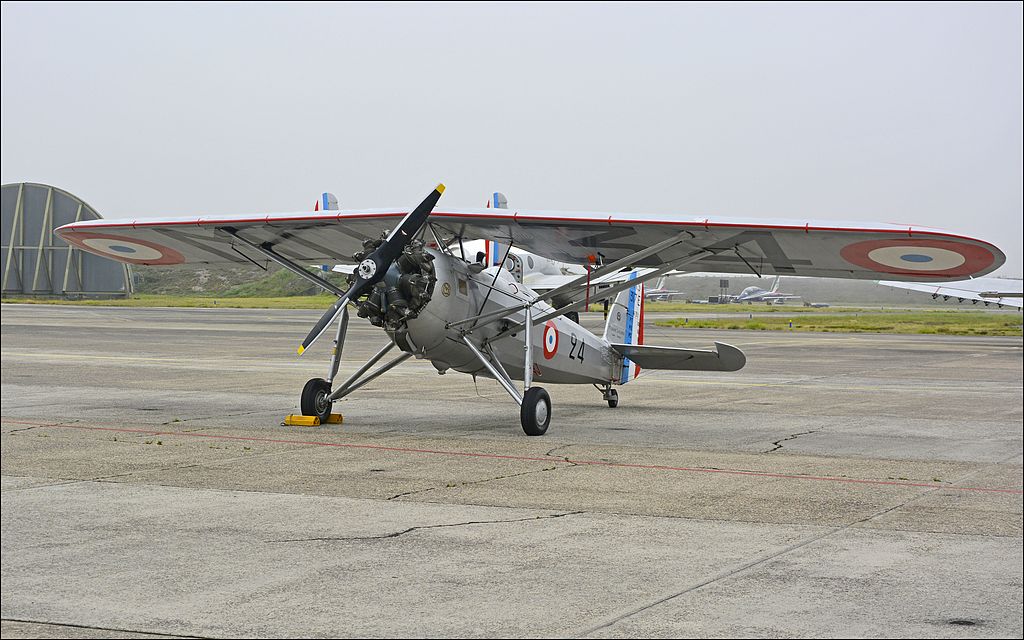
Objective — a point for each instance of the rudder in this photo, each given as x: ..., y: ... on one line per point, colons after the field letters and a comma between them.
x: 625, y: 325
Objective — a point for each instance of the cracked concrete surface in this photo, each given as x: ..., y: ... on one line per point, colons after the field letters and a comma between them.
x: 665, y: 517
x: 778, y: 443
x: 396, y: 534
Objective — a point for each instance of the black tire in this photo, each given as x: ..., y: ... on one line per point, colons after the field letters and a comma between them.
x: 535, y: 413
x: 314, y: 399
x: 574, y: 316
x: 613, y: 398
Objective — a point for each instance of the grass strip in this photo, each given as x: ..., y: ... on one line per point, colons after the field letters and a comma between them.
x: 955, y: 323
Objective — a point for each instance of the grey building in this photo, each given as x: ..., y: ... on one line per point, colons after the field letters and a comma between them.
x: 38, y: 263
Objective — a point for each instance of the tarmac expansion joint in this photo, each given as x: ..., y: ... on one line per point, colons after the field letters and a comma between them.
x: 455, y: 485
x: 397, y: 534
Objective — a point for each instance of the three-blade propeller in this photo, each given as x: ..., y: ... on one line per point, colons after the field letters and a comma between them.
x: 372, y: 269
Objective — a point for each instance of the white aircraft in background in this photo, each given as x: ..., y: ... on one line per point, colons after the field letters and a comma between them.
x: 476, y: 319
x: 659, y: 293
x: 771, y: 296
x: 1002, y: 292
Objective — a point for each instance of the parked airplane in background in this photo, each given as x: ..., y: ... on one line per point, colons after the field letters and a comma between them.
x: 658, y: 293
x: 1002, y: 292
x: 771, y: 296
x: 465, y: 316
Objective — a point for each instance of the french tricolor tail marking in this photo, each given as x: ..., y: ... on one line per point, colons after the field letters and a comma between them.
x: 634, y: 329
x: 493, y: 252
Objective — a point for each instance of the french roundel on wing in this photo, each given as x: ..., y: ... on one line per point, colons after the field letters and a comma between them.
x: 919, y: 257
x: 130, y: 250
x: 550, y: 339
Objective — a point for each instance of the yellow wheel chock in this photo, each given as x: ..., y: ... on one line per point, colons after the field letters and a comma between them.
x: 310, y: 421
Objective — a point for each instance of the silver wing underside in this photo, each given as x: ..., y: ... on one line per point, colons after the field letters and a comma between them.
x: 765, y: 247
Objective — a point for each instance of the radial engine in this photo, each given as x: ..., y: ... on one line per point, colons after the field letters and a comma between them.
x: 405, y: 289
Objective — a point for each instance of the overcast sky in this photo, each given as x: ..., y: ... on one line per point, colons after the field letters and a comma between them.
x: 880, y: 112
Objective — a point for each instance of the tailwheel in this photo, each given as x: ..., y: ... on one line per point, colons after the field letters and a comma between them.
x: 535, y: 413
x: 612, y: 396
x: 315, y: 399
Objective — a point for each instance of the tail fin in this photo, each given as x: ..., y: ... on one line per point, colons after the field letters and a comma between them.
x: 775, y: 285
x: 626, y: 325
x: 492, y: 251
x: 491, y: 248
x: 327, y: 202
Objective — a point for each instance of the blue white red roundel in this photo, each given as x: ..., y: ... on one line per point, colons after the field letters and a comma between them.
x: 130, y: 250
x: 550, y: 340
x: 925, y: 257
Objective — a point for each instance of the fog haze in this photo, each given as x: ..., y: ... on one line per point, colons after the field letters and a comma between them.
x: 888, y: 113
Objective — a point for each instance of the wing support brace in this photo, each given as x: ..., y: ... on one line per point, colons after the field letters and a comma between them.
x: 594, y: 278
x: 607, y: 293
x: 622, y: 286
x: 268, y: 250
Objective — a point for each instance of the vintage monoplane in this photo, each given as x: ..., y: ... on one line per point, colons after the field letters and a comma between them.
x: 464, y: 315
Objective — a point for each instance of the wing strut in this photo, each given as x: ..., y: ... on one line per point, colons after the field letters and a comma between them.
x: 268, y: 250
x: 614, y: 289
x: 740, y: 255
x: 593, y: 276
x: 606, y: 293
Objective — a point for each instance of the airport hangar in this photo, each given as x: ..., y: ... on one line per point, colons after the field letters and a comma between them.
x: 37, y: 263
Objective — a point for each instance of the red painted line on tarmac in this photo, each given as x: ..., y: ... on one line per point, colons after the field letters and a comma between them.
x: 496, y: 456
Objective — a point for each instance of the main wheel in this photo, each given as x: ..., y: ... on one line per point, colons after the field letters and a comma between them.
x: 613, y: 398
x: 574, y: 316
x: 535, y: 413
x: 314, y: 399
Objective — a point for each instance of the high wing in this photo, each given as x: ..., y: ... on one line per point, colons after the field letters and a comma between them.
x: 1001, y: 291
x: 777, y: 247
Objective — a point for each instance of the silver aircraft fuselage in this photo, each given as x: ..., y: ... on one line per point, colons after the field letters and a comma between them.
x: 563, y: 351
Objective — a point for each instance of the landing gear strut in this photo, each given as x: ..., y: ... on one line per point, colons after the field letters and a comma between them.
x: 612, y: 396
x: 534, y: 403
x: 317, y: 397
x: 609, y: 395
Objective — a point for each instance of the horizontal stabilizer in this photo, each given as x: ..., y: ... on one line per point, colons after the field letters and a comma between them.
x: 725, y: 357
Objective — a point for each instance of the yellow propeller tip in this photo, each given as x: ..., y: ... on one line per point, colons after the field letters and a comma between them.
x: 301, y: 349
x: 440, y: 188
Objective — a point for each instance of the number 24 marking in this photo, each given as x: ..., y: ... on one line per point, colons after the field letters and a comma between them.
x: 573, y: 343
